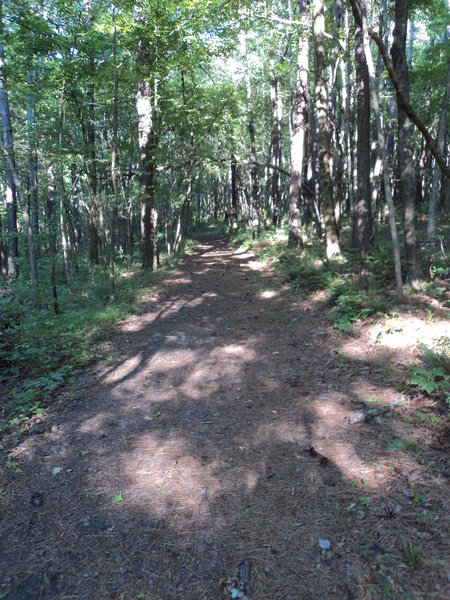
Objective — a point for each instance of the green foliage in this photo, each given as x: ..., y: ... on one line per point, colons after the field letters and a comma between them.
x: 381, y: 263
x: 308, y: 275
x: 353, y: 303
x: 118, y: 498
x: 40, y: 351
x: 412, y: 554
x: 385, y: 585
x: 403, y: 444
x: 352, y: 298
x: 438, y: 356
x: 429, y: 380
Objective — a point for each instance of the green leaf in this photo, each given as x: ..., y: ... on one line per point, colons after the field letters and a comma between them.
x: 118, y: 498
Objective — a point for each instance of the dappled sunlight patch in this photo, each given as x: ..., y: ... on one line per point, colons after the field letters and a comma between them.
x: 124, y: 369
x: 276, y: 428
x: 94, y: 424
x: 237, y: 350
x: 269, y: 294
x: 165, y: 360
x: 194, y: 302
x: 255, y: 265
x: 328, y: 435
x: 165, y: 479
x: 252, y: 479
x: 403, y: 333
x: 179, y: 280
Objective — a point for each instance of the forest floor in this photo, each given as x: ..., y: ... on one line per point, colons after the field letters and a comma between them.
x: 218, y: 450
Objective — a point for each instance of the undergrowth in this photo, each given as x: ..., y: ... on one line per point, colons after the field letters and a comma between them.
x: 39, y: 350
x: 352, y: 293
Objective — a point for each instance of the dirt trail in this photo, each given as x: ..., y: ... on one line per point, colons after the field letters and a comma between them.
x: 184, y: 459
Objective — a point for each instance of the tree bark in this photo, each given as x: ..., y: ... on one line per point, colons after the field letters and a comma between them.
x: 404, y: 150
x: 234, y: 195
x: 112, y: 249
x: 299, y: 124
x: 75, y: 207
x: 61, y: 190
x: 3, y: 254
x: 381, y: 143
x: 331, y: 231
x: 277, y: 114
x: 251, y: 131
x: 431, y: 228
x: 404, y: 98
x: 28, y: 228
x: 185, y: 212
x: 147, y: 149
x: 363, y: 200
x: 11, y: 200
x: 92, y: 177
x: 32, y: 161
x: 52, y: 232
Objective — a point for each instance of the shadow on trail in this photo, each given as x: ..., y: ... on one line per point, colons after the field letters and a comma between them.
x: 187, y: 455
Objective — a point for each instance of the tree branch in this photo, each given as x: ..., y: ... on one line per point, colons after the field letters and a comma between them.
x: 406, y: 105
x: 252, y: 162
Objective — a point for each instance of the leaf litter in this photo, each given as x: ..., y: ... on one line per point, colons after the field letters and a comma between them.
x: 302, y: 532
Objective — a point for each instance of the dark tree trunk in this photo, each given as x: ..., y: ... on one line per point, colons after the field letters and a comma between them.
x: 11, y: 200
x: 431, y: 228
x: 32, y: 162
x: 52, y: 233
x: 277, y: 113
x: 234, y: 195
x: 76, y: 208
x: 331, y: 230
x: 3, y: 253
x: 251, y: 131
x: 363, y: 200
x: 115, y: 185
x: 405, y: 154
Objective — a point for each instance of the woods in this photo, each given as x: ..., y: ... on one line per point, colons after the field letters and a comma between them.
x: 224, y: 295
x: 195, y: 84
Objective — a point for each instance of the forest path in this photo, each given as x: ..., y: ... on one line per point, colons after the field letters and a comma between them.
x: 182, y: 471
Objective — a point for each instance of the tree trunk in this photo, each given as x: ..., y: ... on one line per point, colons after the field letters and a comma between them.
x: 331, y: 231
x: 234, y: 195
x: 28, y: 228
x: 363, y: 200
x: 112, y: 249
x: 62, y: 192
x: 3, y: 254
x: 11, y: 201
x: 405, y: 155
x: 32, y: 162
x: 431, y: 228
x: 147, y: 167
x: 381, y: 145
x: 277, y: 113
x: 52, y: 232
x: 299, y: 124
x: 76, y: 208
x: 251, y: 131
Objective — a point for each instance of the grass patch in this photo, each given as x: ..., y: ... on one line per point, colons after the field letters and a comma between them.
x: 353, y: 294
x: 40, y: 351
x: 437, y: 357
x: 403, y: 444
